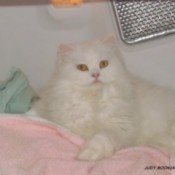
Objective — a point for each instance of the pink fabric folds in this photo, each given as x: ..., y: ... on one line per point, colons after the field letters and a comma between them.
x: 30, y: 147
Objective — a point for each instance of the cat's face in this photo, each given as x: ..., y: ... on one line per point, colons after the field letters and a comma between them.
x: 91, y: 64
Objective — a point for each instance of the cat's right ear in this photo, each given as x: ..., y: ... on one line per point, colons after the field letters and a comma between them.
x: 63, y: 52
x: 63, y: 48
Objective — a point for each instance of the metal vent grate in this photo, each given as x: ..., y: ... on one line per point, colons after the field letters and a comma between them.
x: 139, y: 20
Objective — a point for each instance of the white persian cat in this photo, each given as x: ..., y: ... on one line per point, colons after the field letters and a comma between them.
x: 93, y: 95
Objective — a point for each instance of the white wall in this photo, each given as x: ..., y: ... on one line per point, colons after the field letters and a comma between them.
x: 30, y: 35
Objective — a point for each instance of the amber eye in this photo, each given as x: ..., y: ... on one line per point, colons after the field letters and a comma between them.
x: 82, y: 67
x: 103, y: 64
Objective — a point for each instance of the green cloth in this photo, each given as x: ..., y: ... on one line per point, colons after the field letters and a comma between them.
x: 16, y: 94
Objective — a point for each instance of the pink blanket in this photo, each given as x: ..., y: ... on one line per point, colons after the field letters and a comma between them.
x: 30, y: 147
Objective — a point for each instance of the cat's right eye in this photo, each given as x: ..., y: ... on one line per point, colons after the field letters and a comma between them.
x: 82, y: 67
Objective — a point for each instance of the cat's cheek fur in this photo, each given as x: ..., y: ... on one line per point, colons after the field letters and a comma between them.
x: 78, y: 77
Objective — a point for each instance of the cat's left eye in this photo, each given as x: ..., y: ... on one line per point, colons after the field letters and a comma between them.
x: 103, y: 64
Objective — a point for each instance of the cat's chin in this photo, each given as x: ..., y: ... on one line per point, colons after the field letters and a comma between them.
x: 97, y: 83
x: 92, y: 84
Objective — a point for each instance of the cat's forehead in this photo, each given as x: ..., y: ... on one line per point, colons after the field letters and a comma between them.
x: 89, y: 54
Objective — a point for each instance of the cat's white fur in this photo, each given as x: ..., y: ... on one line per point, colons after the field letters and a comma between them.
x: 118, y: 112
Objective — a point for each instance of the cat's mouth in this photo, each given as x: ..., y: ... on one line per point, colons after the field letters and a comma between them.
x: 97, y: 81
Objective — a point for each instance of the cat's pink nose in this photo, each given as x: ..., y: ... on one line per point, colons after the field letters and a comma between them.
x: 96, y: 75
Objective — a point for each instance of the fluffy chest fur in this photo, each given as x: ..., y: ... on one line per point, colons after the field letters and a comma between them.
x: 84, y: 110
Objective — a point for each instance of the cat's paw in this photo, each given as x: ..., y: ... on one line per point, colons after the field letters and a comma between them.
x: 97, y: 148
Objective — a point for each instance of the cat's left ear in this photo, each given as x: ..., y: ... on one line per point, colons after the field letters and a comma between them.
x: 110, y: 41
